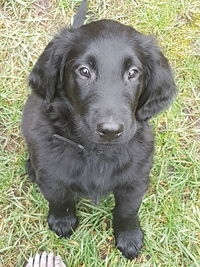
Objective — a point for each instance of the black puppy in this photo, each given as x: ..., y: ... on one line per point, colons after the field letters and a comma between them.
x: 94, y: 88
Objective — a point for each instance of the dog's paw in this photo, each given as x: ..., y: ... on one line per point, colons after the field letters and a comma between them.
x: 129, y: 242
x: 63, y: 226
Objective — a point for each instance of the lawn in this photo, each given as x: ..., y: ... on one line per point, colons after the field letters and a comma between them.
x: 170, y: 214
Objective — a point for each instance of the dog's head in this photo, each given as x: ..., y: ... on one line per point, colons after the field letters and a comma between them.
x: 111, y: 75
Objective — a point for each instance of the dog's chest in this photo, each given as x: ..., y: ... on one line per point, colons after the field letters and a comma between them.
x: 93, y: 176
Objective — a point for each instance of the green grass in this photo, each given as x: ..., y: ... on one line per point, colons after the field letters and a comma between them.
x: 170, y: 213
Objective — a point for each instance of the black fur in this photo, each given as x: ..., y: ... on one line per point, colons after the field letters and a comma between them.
x: 65, y: 102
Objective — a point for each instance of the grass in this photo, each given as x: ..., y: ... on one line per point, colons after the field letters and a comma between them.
x: 170, y: 212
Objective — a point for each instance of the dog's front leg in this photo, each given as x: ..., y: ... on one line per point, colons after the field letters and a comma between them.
x: 62, y: 217
x: 127, y: 231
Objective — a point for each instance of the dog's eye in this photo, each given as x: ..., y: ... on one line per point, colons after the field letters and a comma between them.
x: 83, y: 71
x: 132, y: 73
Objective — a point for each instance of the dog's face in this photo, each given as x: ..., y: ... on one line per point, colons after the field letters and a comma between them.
x: 103, y: 82
x: 111, y: 75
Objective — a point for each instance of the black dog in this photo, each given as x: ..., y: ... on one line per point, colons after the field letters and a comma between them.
x: 94, y: 88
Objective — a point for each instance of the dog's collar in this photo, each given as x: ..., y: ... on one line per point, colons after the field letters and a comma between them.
x: 77, y: 146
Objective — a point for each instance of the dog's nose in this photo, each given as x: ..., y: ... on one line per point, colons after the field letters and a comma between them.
x: 110, y: 130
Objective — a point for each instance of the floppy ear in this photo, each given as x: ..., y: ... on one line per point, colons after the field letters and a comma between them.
x: 159, y: 87
x: 47, y: 74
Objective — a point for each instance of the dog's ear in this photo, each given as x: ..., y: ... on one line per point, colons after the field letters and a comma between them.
x: 159, y: 87
x: 47, y: 74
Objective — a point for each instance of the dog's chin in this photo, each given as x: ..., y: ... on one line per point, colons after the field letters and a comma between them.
x: 111, y: 142
x: 108, y: 143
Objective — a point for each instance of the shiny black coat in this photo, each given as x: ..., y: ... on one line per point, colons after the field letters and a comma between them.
x: 100, y: 72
